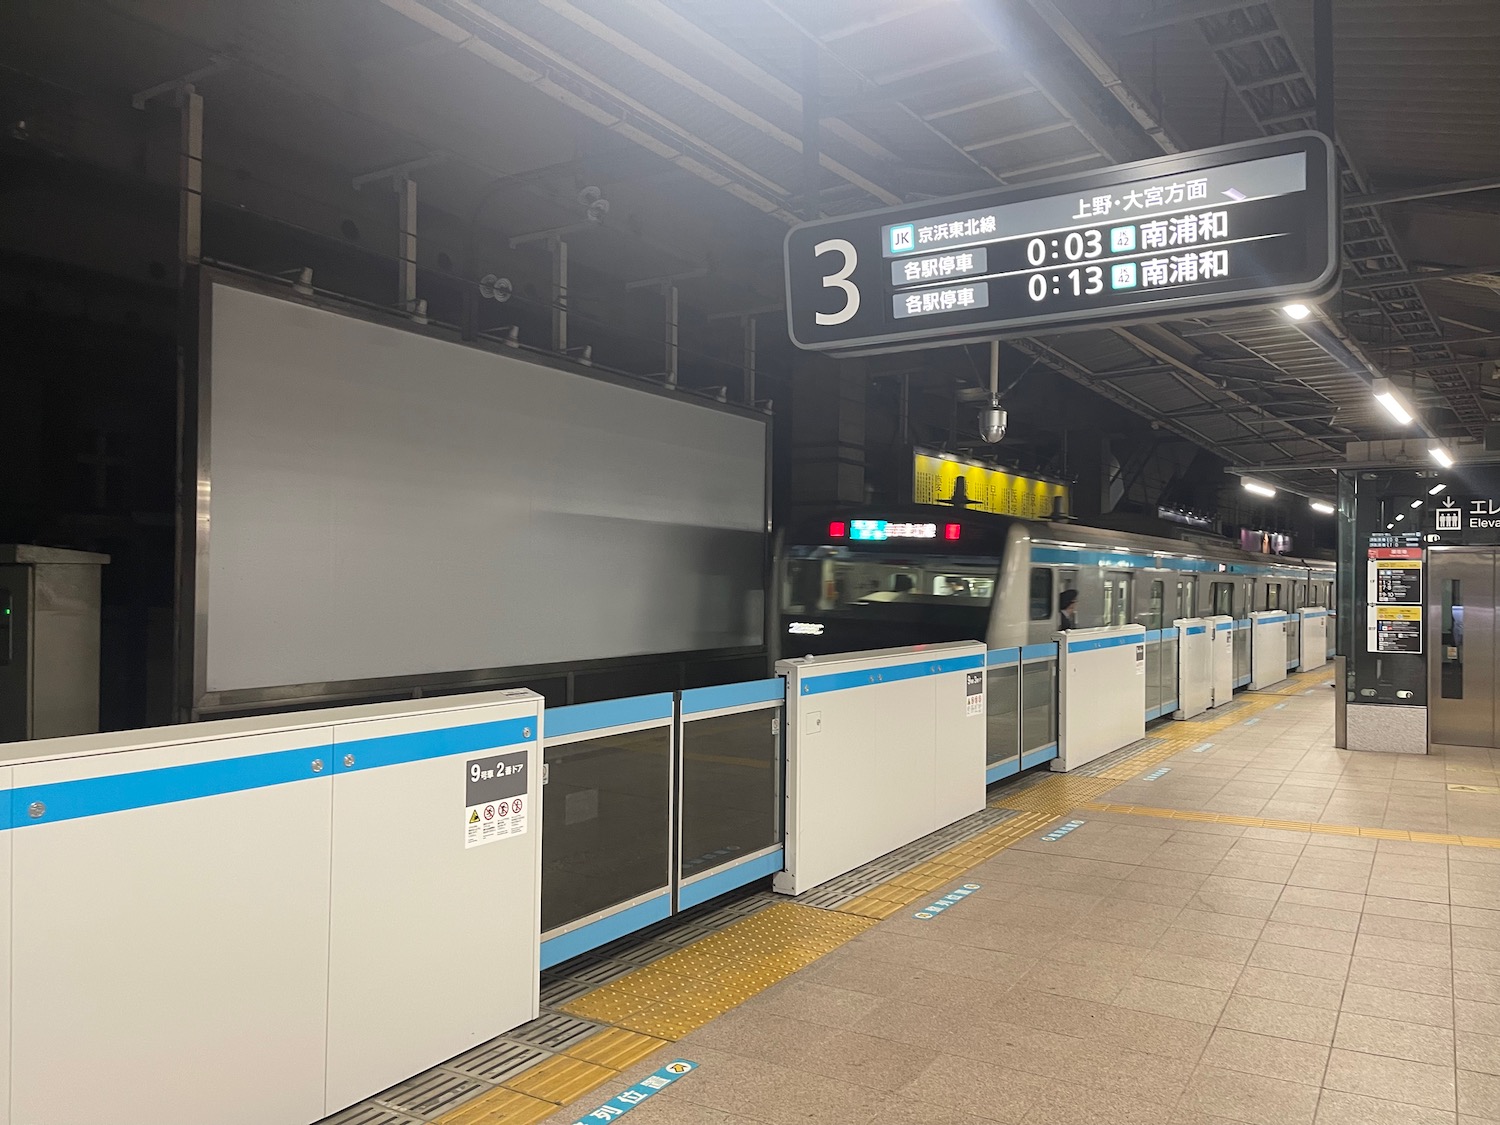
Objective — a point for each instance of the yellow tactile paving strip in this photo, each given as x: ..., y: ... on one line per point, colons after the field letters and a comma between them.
x: 655, y: 1005
x: 616, y: 1048
x: 500, y: 1107
x: 1062, y: 792
x: 1297, y: 825
x: 921, y: 881
x: 684, y: 990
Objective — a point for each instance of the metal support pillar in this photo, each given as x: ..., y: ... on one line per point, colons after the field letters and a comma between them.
x: 812, y: 111
x: 1323, y: 65
x: 747, y: 326
x: 406, y: 194
x: 559, y: 250
x: 904, y: 419
x: 669, y: 300
x: 190, y: 182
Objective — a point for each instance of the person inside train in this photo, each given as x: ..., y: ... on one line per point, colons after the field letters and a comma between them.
x: 1067, y: 616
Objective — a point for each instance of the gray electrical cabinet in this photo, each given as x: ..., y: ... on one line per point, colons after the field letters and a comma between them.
x: 49, y: 642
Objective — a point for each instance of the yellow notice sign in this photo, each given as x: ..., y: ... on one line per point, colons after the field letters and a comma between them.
x: 1398, y: 613
x: 935, y: 477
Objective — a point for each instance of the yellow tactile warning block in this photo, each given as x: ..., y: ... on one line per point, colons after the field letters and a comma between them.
x: 1297, y: 825
x: 687, y: 988
x: 921, y: 881
x: 1055, y: 795
x: 560, y: 1079
x: 499, y: 1107
x: 616, y: 1048
x: 1059, y: 793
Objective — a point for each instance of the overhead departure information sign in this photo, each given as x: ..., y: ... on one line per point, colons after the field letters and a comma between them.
x: 1242, y: 225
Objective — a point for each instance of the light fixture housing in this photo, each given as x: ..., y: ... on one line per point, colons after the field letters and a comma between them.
x: 1259, y: 489
x: 1442, y: 456
x: 1435, y: 489
x: 1321, y: 506
x: 1416, y: 503
x: 1297, y: 311
x: 1389, y: 397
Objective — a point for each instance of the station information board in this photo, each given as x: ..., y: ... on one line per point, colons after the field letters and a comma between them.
x: 1393, y: 599
x: 1236, y: 226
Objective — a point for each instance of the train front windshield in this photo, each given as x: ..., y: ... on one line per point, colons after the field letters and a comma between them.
x: 852, y: 599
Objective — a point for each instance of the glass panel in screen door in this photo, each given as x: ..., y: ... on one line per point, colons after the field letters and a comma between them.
x: 1453, y: 639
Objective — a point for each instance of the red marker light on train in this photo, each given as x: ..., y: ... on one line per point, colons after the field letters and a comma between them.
x: 951, y: 531
x: 837, y: 529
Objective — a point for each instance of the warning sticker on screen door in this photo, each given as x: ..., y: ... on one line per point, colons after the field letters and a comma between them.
x: 974, y: 693
x: 496, y: 804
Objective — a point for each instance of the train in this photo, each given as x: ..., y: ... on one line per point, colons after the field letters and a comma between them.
x: 848, y: 580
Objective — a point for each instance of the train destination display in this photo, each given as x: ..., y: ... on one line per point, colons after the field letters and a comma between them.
x: 1236, y: 226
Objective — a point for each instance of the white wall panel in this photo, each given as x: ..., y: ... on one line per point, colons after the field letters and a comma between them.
x: 1101, y: 693
x: 883, y: 748
x: 1222, y: 659
x: 1267, y: 649
x: 386, y: 504
x: 1195, y: 686
x: 420, y: 921
x: 170, y: 961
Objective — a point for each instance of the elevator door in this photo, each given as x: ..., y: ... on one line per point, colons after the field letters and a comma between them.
x: 1461, y: 651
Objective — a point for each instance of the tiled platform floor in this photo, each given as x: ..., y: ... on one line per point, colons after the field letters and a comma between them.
x: 1145, y: 969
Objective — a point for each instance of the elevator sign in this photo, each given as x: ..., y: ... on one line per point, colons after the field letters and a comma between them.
x: 1460, y: 520
x: 1228, y: 227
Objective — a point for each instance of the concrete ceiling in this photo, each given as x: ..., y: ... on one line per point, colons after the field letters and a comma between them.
x: 689, y: 115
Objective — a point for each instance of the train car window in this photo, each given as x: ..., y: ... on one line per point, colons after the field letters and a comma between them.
x: 1041, y: 593
x: 1117, y: 597
x: 1299, y: 595
x: 1153, y: 615
x: 1187, y: 598
x: 1273, y: 595
x: 1246, y: 602
x: 1223, y: 599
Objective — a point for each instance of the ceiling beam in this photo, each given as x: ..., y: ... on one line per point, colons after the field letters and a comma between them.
x: 1435, y: 191
x: 1183, y: 11
x: 1420, y: 275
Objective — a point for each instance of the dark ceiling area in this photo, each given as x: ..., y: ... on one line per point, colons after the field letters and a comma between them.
x: 514, y: 118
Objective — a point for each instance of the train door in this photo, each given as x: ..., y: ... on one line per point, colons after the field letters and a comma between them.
x: 1117, y: 597
x: 1221, y: 599
x: 1156, y: 605
x: 1187, y: 598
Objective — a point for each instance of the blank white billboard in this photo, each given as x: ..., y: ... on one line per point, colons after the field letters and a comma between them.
x: 385, y: 504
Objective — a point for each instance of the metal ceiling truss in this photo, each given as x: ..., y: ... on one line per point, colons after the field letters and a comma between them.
x: 1276, y: 89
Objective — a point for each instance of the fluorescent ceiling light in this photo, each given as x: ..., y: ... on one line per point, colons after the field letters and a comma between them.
x: 1435, y: 489
x: 1386, y: 395
x: 1442, y: 456
x: 1389, y: 526
x: 1298, y: 311
x: 1401, y: 517
x: 1416, y: 503
x: 1258, y: 489
x: 1321, y: 506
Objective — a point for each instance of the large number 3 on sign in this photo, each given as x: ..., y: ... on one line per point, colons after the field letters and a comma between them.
x: 840, y: 280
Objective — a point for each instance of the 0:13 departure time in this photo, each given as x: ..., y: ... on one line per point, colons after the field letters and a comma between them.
x: 1087, y: 280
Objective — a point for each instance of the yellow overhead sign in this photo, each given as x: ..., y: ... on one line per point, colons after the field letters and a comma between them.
x: 935, y: 477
